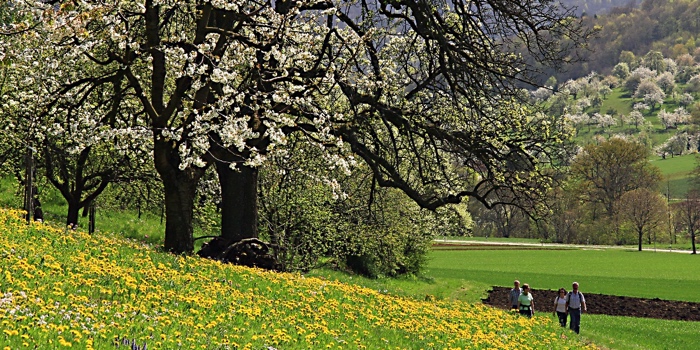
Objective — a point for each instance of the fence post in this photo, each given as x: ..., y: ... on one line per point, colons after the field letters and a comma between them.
x: 29, y: 183
x: 91, y: 219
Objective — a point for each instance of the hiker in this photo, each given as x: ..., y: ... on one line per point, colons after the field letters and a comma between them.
x: 575, y: 303
x: 514, y: 295
x: 526, y: 303
x: 560, y: 306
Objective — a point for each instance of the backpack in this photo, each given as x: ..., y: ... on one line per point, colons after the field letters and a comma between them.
x: 568, y: 297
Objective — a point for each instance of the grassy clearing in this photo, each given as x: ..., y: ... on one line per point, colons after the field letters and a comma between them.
x: 619, y: 101
x: 418, y: 288
x: 677, y: 173
x: 676, y: 167
x: 62, y: 289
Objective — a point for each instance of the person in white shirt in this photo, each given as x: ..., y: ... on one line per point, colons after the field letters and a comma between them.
x: 560, y: 306
x: 575, y: 303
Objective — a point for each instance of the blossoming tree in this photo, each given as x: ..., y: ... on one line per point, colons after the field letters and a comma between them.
x: 426, y: 93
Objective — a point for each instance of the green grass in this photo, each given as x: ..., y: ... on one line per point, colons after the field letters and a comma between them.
x: 419, y: 288
x: 676, y: 167
x: 671, y: 276
x: 619, y: 101
x: 627, y: 333
x: 677, y: 174
x: 617, y: 272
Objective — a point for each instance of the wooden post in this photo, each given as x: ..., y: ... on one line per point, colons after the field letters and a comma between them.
x: 91, y: 219
x: 29, y: 183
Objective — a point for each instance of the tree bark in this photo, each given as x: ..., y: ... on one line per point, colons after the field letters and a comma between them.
x: 239, y: 201
x: 180, y: 187
x: 179, y: 206
x: 73, y: 211
x: 641, y: 236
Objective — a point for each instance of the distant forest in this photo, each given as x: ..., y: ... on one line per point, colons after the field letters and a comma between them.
x: 671, y: 27
x: 596, y: 7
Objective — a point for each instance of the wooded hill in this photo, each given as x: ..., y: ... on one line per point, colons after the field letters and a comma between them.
x: 670, y: 27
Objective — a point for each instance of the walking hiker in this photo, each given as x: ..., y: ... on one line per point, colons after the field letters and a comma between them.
x: 514, y: 295
x: 575, y: 303
x: 560, y: 306
x: 526, y: 303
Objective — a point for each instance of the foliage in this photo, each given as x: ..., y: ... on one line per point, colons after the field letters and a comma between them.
x: 501, y: 221
x: 687, y: 214
x: 611, y: 168
x: 312, y: 212
x: 646, y: 211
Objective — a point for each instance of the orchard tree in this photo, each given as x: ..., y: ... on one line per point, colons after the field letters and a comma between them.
x: 426, y: 94
x: 621, y: 70
x: 608, y: 170
x: 666, y: 82
x: 603, y: 121
x: 686, y: 99
x: 647, y: 87
x: 637, y: 76
x: 645, y: 210
x: 675, y: 145
x: 654, y: 98
x: 82, y: 141
x: 688, y: 214
x: 637, y: 118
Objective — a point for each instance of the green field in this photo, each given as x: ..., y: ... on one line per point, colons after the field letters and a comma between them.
x: 671, y: 276
x: 676, y: 173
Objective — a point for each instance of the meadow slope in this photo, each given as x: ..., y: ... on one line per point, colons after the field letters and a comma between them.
x: 62, y: 289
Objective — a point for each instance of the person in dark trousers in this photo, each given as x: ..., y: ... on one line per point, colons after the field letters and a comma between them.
x: 560, y: 306
x: 526, y: 303
x: 575, y: 303
x: 514, y: 295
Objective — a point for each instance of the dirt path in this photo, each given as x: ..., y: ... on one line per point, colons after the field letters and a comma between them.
x: 466, y: 243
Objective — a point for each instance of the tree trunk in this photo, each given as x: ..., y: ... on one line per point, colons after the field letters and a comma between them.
x: 73, y: 212
x: 180, y: 187
x: 239, y: 201
x: 641, y: 236
x: 692, y: 240
x: 179, y: 206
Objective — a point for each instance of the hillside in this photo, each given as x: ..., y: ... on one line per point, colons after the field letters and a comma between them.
x: 68, y: 289
x: 670, y: 27
x: 596, y: 7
